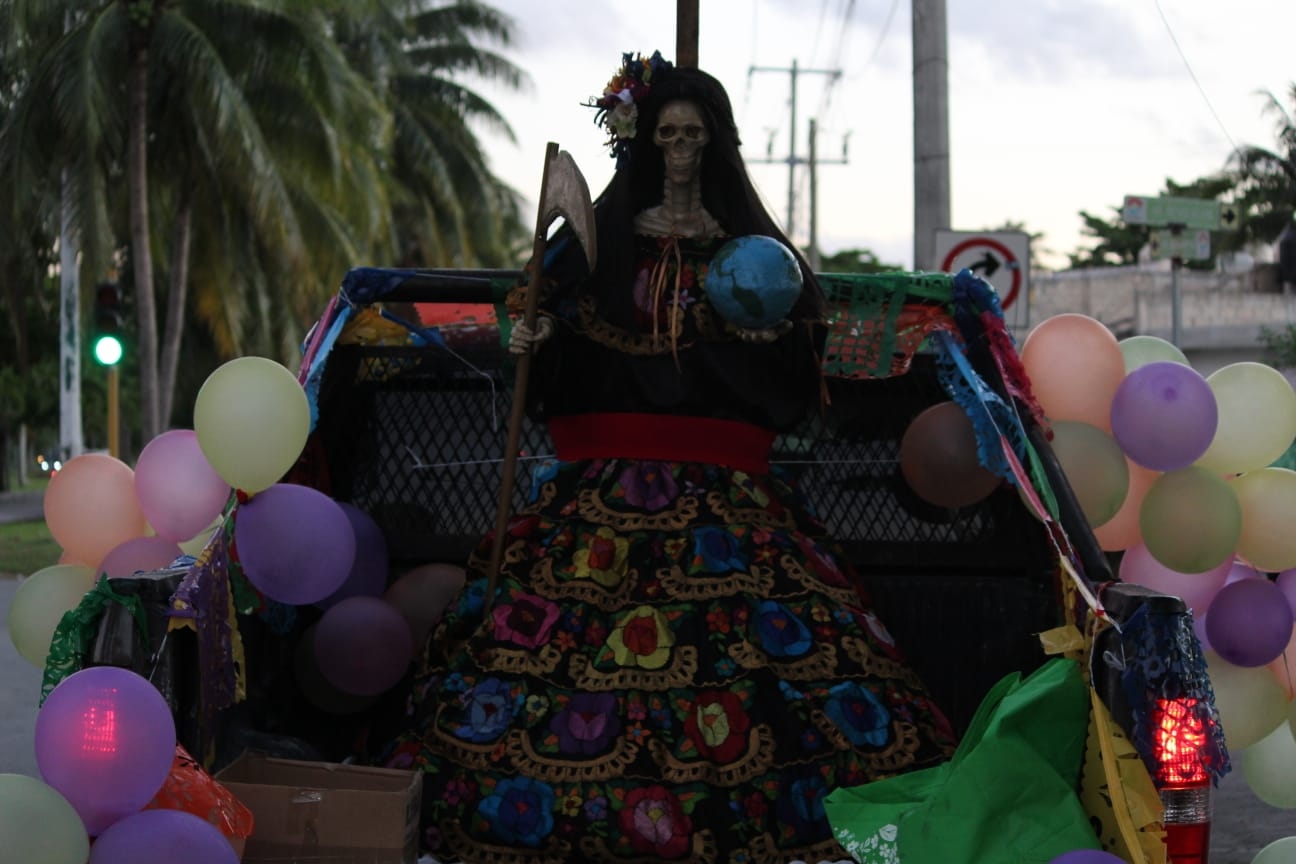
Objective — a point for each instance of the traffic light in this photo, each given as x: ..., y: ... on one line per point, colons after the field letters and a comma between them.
x: 107, y: 336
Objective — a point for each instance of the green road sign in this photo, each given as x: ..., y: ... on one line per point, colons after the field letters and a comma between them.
x: 1185, y: 212
x: 1186, y: 245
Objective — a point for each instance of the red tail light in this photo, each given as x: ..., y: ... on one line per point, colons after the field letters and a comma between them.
x: 1185, y: 785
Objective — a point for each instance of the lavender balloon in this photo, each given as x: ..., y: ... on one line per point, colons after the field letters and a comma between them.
x: 369, y: 572
x: 1164, y: 415
x: 163, y: 837
x: 363, y: 645
x: 105, y: 739
x: 1087, y: 856
x: 295, y: 543
x: 1249, y: 622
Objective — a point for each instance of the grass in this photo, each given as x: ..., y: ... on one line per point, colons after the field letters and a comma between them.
x: 26, y: 547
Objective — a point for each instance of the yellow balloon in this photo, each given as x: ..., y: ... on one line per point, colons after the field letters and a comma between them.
x: 1268, y: 501
x: 1095, y: 468
x: 1250, y: 701
x: 194, y: 545
x: 1257, y: 418
x: 38, y: 825
x: 251, y: 418
x: 1269, y: 766
x: 1190, y: 520
x: 39, y: 605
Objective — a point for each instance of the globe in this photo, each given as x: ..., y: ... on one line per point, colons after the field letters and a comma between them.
x: 753, y: 281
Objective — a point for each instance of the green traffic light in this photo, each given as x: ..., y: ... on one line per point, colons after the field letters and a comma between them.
x: 108, y: 350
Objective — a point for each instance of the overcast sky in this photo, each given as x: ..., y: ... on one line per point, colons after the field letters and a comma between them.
x: 1056, y: 106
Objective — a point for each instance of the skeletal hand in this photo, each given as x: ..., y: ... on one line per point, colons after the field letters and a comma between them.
x: 524, y: 338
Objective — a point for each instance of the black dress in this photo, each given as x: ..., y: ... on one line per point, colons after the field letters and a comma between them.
x: 677, y: 664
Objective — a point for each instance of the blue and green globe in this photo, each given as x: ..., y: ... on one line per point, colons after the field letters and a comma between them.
x: 753, y: 281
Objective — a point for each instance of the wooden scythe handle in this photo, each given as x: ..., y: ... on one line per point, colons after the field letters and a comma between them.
x: 521, y: 373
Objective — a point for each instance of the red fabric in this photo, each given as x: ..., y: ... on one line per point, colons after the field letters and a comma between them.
x: 663, y: 437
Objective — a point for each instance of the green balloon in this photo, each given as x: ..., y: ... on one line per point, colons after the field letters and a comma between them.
x: 1095, y: 468
x: 1278, y: 852
x: 1191, y: 520
x: 1257, y: 418
x: 1142, y: 350
x: 1269, y: 766
x: 251, y: 419
x: 40, y: 603
x: 38, y: 825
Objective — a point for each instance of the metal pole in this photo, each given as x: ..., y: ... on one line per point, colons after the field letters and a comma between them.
x: 1176, y: 304
x: 931, y: 129
x: 114, y: 422
x: 813, y: 252
x: 792, y: 160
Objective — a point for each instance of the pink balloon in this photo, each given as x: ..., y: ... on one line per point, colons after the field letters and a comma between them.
x: 138, y: 555
x: 363, y: 645
x: 422, y: 594
x: 178, y: 490
x: 105, y: 739
x: 90, y: 506
x: 1197, y: 590
x: 1286, y: 583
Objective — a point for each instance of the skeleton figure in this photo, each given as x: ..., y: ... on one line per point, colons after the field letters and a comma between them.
x: 681, y: 133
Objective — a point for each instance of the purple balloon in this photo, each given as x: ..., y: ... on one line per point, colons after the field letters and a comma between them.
x: 295, y: 543
x: 1249, y: 623
x: 105, y: 739
x: 369, y: 572
x: 1087, y: 856
x: 162, y: 837
x: 363, y: 645
x: 1164, y: 415
x: 1286, y: 583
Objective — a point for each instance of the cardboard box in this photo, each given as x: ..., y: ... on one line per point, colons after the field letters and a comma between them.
x: 308, y: 812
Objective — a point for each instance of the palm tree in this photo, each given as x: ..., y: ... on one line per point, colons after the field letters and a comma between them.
x: 447, y: 208
x: 1266, y: 178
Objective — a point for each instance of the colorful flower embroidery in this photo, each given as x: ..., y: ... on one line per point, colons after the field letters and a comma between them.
x: 527, y: 620
x: 587, y: 724
x: 656, y: 823
x: 718, y: 725
x: 520, y: 810
x: 854, y: 710
x: 602, y: 558
x: 642, y: 639
x: 489, y: 707
x: 782, y: 634
x: 717, y: 550
x: 649, y: 485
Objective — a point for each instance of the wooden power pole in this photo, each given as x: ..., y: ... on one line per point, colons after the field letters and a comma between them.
x: 931, y: 129
x: 686, y: 33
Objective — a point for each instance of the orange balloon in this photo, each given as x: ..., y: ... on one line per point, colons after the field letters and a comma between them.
x: 1122, y: 530
x: 938, y: 458
x: 1075, y: 365
x: 90, y: 506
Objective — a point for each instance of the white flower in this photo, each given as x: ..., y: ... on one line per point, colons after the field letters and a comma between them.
x: 623, y: 119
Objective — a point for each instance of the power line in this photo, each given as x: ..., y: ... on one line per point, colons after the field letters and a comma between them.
x: 1191, y: 74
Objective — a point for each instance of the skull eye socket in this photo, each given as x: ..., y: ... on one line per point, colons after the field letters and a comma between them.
x: 667, y: 131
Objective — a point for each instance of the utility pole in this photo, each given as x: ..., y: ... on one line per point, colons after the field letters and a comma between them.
x: 814, y: 163
x: 931, y: 129
x: 792, y: 159
x: 686, y: 33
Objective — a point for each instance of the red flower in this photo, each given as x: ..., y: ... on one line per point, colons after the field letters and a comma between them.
x: 717, y: 725
x: 655, y: 823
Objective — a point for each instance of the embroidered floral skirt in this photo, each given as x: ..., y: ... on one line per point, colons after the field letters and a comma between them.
x: 676, y: 666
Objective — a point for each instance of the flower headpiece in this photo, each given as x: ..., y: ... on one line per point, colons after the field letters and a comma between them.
x: 618, y: 106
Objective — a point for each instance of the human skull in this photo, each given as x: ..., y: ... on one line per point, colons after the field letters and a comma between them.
x: 681, y: 133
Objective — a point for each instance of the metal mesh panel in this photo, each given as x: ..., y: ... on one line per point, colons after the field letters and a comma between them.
x: 415, y: 437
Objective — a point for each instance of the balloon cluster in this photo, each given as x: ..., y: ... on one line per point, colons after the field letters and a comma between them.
x: 1175, y: 471
x: 105, y: 737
